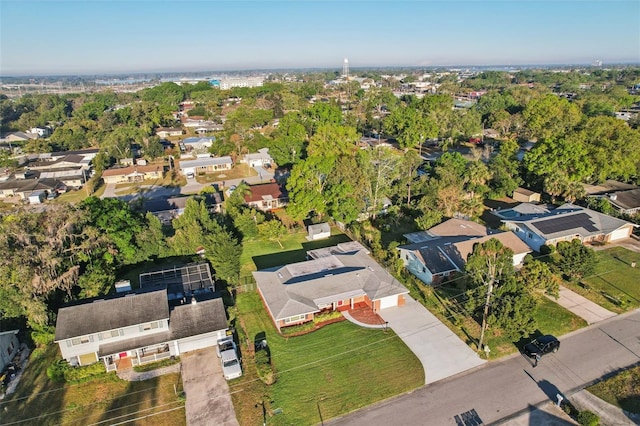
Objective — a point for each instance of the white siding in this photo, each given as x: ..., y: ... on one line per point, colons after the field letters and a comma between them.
x: 202, y: 341
x: 69, y: 350
x: 518, y: 259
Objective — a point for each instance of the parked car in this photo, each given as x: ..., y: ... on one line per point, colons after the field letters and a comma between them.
x: 542, y: 345
x: 225, y: 344
x: 231, y: 368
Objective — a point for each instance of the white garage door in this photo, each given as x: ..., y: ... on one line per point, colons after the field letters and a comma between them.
x: 194, y: 343
x: 619, y: 234
x: 388, y: 302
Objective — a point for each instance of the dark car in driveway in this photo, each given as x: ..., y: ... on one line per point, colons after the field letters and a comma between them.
x: 542, y: 345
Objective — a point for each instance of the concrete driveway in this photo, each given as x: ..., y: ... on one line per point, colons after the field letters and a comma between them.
x: 582, y: 307
x: 441, y: 352
x: 208, y: 399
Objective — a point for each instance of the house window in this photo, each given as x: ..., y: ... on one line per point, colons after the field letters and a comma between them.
x: 529, y: 235
x: 81, y: 340
x: 424, y: 269
x: 149, y: 326
x: 340, y: 303
x: 110, y: 334
x: 295, y: 318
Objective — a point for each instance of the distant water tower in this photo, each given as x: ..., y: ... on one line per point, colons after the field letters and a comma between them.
x: 345, y: 68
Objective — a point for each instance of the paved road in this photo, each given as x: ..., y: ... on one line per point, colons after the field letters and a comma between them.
x: 192, y: 187
x: 508, y: 388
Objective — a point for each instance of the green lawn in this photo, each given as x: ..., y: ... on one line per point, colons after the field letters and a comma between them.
x: 107, y: 400
x: 615, y: 285
x: 550, y: 317
x: 621, y: 390
x: 260, y: 254
x: 321, y: 375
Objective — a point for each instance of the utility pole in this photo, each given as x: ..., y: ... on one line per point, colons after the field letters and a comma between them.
x: 486, y: 310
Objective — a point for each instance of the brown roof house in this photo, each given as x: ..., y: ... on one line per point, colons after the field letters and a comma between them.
x: 267, y: 196
x: 131, y: 329
x: 335, y: 278
x: 444, y: 249
x: 135, y: 173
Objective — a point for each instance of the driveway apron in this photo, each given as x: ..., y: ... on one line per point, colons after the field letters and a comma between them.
x: 208, y: 400
x: 441, y: 352
x: 582, y: 307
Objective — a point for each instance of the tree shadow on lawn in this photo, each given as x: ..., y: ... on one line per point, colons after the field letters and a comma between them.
x: 141, y: 401
x: 37, y: 400
x: 272, y: 260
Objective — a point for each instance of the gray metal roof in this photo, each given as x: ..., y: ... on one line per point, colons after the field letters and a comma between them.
x: 298, y: 288
x: 110, y: 314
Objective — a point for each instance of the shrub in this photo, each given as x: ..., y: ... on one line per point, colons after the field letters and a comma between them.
x: 56, y: 371
x: 84, y: 373
x: 60, y: 372
x: 157, y: 364
x: 326, y: 316
x: 587, y: 418
x: 264, y: 367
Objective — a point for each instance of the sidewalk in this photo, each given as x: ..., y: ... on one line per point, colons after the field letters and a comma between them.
x: 609, y: 414
x: 582, y: 307
x: 133, y: 376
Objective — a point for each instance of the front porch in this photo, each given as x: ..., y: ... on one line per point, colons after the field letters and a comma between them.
x: 363, y: 315
x: 135, y: 357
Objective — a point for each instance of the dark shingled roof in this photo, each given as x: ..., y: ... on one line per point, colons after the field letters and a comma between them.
x: 111, y: 314
x: 193, y: 319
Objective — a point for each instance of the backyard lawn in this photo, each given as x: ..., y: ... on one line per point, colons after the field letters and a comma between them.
x: 260, y: 254
x: 107, y: 400
x: 321, y: 375
x: 615, y: 285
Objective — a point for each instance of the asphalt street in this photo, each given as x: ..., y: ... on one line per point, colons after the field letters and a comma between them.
x: 507, y: 388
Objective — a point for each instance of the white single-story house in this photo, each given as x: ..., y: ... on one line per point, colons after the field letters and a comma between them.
x: 131, y: 329
x: 335, y: 278
x: 444, y: 249
x: 164, y: 132
x: 566, y: 223
x: 205, y: 165
x: 37, y: 197
x: 197, y: 144
x: 259, y: 159
x: 9, y: 347
x: 135, y: 173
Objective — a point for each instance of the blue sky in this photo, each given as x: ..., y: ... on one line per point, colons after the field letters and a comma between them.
x: 70, y: 37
